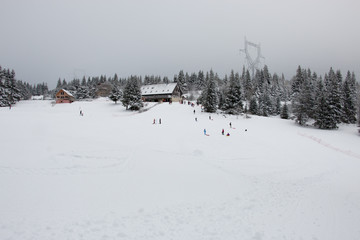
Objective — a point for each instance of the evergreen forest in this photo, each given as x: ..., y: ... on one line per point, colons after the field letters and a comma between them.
x: 307, y: 98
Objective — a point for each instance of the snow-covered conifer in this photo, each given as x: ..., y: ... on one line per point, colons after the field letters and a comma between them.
x: 253, y: 108
x: 210, y: 98
x: 322, y: 115
x: 116, y: 94
x: 247, y: 86
x: 334, y: 95
x: 132, y: 94
x: 181, y: 80
x: 233, y: 99
x: 200, y: 83
x: 284, y: 112
x: 349, y: 99
x: 297, y: 81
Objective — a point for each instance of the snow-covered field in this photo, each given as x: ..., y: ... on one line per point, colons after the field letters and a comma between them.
x: 113, y: 174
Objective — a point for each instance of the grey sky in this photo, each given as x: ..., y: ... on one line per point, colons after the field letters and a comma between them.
x: 44, y: 40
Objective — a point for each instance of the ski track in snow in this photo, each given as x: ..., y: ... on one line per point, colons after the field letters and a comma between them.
x: 227, y: 220
x: 272, y: 204
x: 328, y: 145
x: 74, y: 164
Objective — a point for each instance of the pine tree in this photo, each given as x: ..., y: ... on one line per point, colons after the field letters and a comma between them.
x: 284, y: 89
x: 265, y: 107
x: 82, y: 92
x: 349, y: 99
x: 247, y: 86
x: 334, y: 95
x: 266, y: 75
x: 24, y: 90
x: 258, y: 82
x: 284, y: 112
x: 116, y: 94
x: 11, y: 90
x: 302, y: 98
x: 83, y: 81
x: 323, y: 114
x: 200, y: 82
x: 253, y: 108
x: 64, y: 83
x: 116, y: 79
x: 358, y: 121
x: 221, y: 98
x: 132, y: 94
x: 3, y: 101
x: 233, y: 99
x: 297, y: 81
x: 278, y: 106
x: 192, y: 82
x: 210, y: 98
x: 181, y: 80
x: 307, y: 95
x: 266, y: 102
x: 58, y: 85
x: 166, y: 80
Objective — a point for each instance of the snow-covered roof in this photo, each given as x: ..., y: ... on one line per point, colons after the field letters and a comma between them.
x: 155, y: 89
x: 67, y: 92
x: 37, y: 97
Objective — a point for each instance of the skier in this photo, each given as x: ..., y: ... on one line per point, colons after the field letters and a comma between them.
x: 154, y: 121
x: 194, y: 111
x: 159, y: 120
x: 196, y: 119
x: 230, y: 124
x: 204, y: 131
x: 228, y: 134
x: 222, y: 132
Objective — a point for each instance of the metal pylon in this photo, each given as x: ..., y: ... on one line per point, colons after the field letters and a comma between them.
x: 252, y: 64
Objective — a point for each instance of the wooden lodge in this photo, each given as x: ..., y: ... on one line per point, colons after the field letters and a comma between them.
x: 64, y: 96
x: 161, y: 92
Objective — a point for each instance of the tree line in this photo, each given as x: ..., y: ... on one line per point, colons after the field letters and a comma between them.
x: 12, y: 90
x: 323, y: 102
x: 307, y: 98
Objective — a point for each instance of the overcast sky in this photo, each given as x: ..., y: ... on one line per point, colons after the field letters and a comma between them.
x: 43, y: 40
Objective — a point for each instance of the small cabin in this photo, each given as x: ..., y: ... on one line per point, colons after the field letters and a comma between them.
x: 64, y: 96
x: 161, y: 92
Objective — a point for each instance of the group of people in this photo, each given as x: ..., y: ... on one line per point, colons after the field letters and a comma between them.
x: 154, y: 122
x: 222, y: 132
x: 210, y: 118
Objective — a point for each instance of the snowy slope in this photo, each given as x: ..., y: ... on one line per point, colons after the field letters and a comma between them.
x: 113, y: 174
